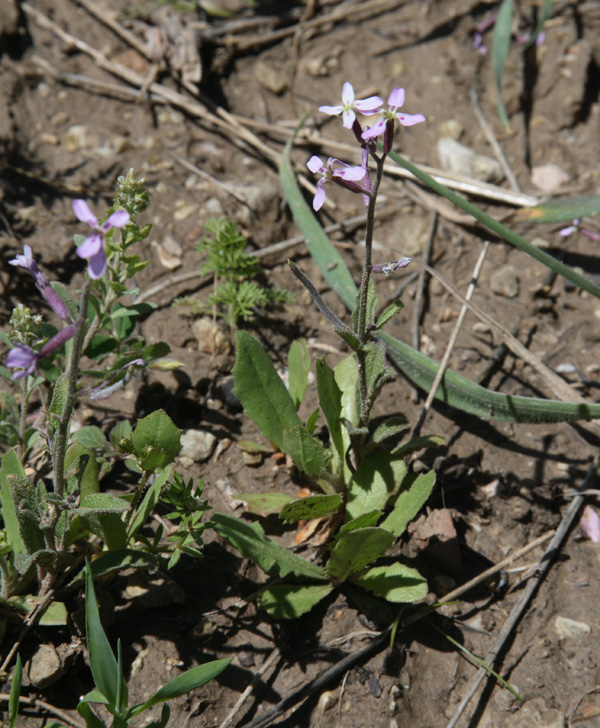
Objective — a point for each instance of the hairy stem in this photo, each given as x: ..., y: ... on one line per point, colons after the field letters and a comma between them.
x: 62, y: 433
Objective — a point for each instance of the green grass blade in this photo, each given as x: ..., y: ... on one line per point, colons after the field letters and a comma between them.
x: 560, y: 210
x: 501, y: 45
x: 540, y: 23
x: 15, y: 693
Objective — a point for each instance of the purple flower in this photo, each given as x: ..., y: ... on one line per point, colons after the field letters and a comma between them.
x: 92, y: 247
x: 26, y: 261
x: 571, y: 229
x: 395, y: 101
x: 25, y: 358
x: 343, y: 174
x: 55, y: 301
x: 389, y: 268
x: 369, y: 106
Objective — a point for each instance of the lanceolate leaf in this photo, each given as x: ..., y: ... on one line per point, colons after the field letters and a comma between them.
x: 379, y: 476
x: 10, y: 465
x: 560, y: 210
x: 288, y: 601
x: 184, y: 683
x: 396, y: 583
x: 261, y: 391
x: 330, y: 399
x: 501, y: 44
x: 299, y: 368
x: 356, y: 549
x: 409, y: 503
x: 313, y: 506
x: 251, y: 542
x: 263, y: 504
x: 307, y: 452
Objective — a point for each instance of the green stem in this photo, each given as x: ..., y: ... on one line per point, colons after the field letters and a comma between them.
x: 364, y: 293
x: 141, y: 486
x: 62, y: 433
x: 22, y: 420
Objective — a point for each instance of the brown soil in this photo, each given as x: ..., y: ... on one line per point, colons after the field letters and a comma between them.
x: 506, y: 484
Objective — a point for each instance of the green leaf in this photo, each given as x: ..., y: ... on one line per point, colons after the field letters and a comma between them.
x: 59, y: 396
x: 378, y: 477
x: 350, y: 338
x: 101, y: 346
x: 288, y: 601
x: 356, y: 549
x: 184, y: 683
x: 388, y: 313
x: 420, y: 443
x: 299, y: 369
x: 560, y: 210
x: 55, y: 614
x: 156, y: 440
x: 307, y: 452
x: 165, y: 714
x: 89, y: 482
x: 409, y: 503
x: 264, y: 504
x: 101, y: 503
x: 501, y: 44
x: 390, y: 427
x: 137, y: 309
x: 371, y: 307
x: 111, y: 561
x: 366, y: 520
x: 90, y: 436
x: 102, y: 660
x: 251, y: 542
x: 10, y: 465
x: 15, y: 692
x: 330, y: 400
x: 151, y: 498
x: 261, y: 391
x: 396, y: 583
x: 313, y: 506
x: 86, y: 712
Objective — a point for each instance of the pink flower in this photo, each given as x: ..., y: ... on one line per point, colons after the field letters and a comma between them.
x: 343, y: 174
x: 395, y: 101
x: 369, y: 106
x: 590, y: 522
x: 92, y: 247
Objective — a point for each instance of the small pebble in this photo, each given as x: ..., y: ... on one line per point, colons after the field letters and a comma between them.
x: 565, y: 627
x: 505, y: 282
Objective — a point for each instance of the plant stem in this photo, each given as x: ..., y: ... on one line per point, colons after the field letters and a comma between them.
x: 364, y: 293
x: 22, y: 420
x: 141, y: 486
x: 62, y: 434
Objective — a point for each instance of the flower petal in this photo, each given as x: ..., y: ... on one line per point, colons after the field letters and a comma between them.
x: 350, y: 173
x: 410, y: 119
x: 396, y: 98
x: 377, y: 129
x: 91, y: 246
x: 319, y: 198
x: 97, y: 264
x: 331, y: 110
x: 348, y: 117
x: 117, y: 220
x: 21, y: 356
x: 315, y: 165
x: 369, y: 106
x: 83, y: 213
x: 590, y: 522
x: 347, y: 93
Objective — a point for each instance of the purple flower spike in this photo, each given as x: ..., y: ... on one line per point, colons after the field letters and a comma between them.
x: 343, y: 173
x: 395, y: 101
x: 93, y: 246
x: 369, y: 106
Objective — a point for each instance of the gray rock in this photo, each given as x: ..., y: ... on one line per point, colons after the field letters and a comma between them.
x: 45, y: 667
x: 458, y: 159
x: 505, y: 282
x: 197, y: 445
x: 270, y: 77
x: 565, y: 627
x: 410, y: 236
x: 535, y: 714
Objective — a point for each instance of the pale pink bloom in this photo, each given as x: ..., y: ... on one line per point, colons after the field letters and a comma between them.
x: 395, y: 101
x: 590, y: 522
x: 369, y: 106
x: 335, y: 171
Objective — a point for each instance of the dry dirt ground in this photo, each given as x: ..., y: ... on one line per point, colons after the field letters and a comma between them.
x: 68, y: 127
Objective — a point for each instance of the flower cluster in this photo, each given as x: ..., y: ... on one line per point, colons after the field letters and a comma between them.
x: 346, y: 175
x: 93, y: 248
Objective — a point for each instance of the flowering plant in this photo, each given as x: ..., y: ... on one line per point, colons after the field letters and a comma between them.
x: 43, y: 516
x: 368, y: 495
